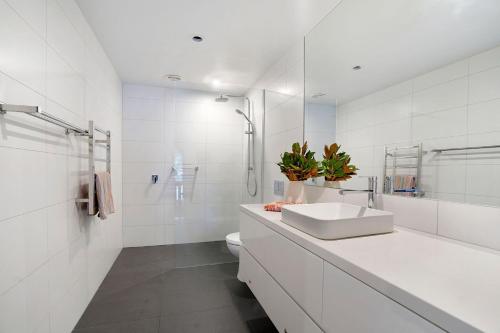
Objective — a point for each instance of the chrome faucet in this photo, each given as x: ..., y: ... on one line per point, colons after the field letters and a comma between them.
x: 372, y: 190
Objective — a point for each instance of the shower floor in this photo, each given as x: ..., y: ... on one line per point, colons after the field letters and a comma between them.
x: 174, y: 288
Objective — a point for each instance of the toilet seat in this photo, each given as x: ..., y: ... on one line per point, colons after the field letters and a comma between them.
x: 234, y: 239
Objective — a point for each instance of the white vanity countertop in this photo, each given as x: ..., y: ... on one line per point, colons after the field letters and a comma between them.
x: 453, y: 285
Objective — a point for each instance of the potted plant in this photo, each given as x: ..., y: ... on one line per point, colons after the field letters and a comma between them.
x: 298, y: 166
x: 335, y: 166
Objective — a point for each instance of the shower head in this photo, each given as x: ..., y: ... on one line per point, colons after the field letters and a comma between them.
x: 238, y: 111
x: 221, y: 99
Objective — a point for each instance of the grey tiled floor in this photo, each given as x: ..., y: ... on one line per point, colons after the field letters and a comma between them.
x: 171, y: 289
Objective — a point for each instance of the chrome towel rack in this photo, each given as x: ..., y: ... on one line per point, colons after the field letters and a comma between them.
x: 35, y: 111
x: 412, y: 160
x: 463, y: 148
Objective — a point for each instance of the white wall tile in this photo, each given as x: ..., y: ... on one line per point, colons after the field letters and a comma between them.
x: 44, y: 285
x: 415, y: 214
x: 469, y: 223
x: 142, y: 91
x: 25, y: 305
x: 396, y: 132
x: 143, y: 151
x: 448, y: 123
x: 396, y: 109
x: 485, y: 60
x: 224, y: 193
x: 64, y: 38
x: 451, y: 179
x: 24, y: 243
x: 142, y: 172
x: 448, y: 95
x: 224, y: 153
x: 142, y: 130
x: 22, y: 170
x: 485, y: 86
x: 224, y: 134
x: 441, y: 75
x: 141, y: 235
x: 33, y: 12
x: 23, y: 51
x: 483, y: 180
x: 189, y: 212
x: 142, y: 215
x: 142, y: 108
x: 194, y: 131
x: 64, y: 85
x: 221, y: 173
x: 189, y: 153
x: 190, y: 132
x: 484, y: 117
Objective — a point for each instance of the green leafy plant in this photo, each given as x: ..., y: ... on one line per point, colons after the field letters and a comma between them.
x: 335, y: 165
x: 299, y: 164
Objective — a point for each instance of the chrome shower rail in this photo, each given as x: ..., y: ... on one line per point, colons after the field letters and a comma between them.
x: 463, y: 148
x: 35, y: 111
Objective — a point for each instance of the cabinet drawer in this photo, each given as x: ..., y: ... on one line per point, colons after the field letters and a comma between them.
x: 297, y: 270
x: 351, y: 306
x: 285, y: 314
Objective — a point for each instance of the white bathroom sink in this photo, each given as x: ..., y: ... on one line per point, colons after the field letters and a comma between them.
x: 336, y: 220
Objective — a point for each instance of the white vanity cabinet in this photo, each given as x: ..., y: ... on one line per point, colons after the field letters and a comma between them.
x: 351, y: 306
x: 286, y: 315
x: 302, y: 293
x: 297, y: 270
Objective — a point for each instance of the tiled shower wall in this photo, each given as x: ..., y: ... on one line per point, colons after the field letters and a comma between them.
x: 455, y: 106
x: 168, y: 132
x: 53, y: 257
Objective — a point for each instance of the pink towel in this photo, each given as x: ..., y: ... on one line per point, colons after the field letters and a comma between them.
x: 104, y: 194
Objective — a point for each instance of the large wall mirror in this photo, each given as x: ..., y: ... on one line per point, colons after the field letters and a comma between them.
x: 414, y: 90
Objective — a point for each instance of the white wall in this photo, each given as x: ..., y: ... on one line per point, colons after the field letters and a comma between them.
x: 52, y: 256
x: 171, y: 127
x: 319, y: 127
x: 454, y: 106
x: 284, y: 87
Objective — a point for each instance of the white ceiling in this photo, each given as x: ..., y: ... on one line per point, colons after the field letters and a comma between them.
x: 393, y: 40
x: 147, y: 39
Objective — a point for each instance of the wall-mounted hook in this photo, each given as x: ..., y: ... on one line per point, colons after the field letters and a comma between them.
x: 154, y: 179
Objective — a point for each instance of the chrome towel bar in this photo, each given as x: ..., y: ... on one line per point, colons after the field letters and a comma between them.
x: 35, y: 111
x: 463, y: 148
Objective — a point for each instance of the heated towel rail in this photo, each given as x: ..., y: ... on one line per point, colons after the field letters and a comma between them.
x: 408, y: 159
x: 35, y: 111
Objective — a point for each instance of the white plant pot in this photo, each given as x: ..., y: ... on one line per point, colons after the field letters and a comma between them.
x: 295, y: 192
x: 332, y: 184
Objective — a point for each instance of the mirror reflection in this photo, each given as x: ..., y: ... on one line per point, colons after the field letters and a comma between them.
x: 422, y: 114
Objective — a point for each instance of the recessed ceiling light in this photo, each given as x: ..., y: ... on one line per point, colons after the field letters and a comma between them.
x: 197, y: 39
x: 356, y: 68
x: 318, y: 95
x: 173, y: 77
x: 216, y: 83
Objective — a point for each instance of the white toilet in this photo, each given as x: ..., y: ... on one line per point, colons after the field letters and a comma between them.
x: 234, y: 243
